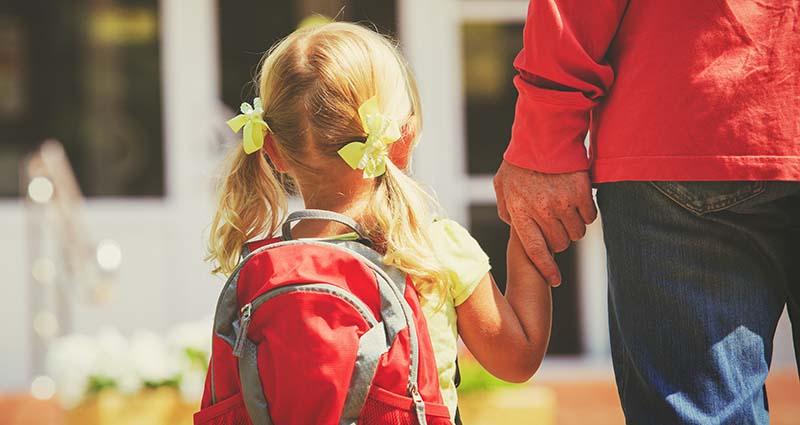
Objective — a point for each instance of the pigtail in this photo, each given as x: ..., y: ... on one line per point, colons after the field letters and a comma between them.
x: 252, y: 202
x: 399, y: 215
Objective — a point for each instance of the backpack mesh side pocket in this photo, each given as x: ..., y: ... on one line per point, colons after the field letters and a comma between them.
x: 384, y: 407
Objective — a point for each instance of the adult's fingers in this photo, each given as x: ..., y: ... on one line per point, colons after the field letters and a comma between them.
x: 502, y: 210
x: 587, y: 208
x: 574, y: 224
x: 535, y: 246
x: 554, y: 233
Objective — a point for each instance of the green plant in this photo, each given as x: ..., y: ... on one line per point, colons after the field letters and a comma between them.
x: 474, y: 378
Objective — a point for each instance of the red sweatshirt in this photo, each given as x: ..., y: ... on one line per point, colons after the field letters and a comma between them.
x: 672, y: 89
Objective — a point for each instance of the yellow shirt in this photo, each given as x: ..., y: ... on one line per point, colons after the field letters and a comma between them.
x: 464, y: 259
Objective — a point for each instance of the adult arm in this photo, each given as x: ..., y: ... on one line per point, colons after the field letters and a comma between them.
x: 543, y: 186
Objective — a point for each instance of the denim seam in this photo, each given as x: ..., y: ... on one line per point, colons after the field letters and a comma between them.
x: 623, y: 388
x: 717, y: 206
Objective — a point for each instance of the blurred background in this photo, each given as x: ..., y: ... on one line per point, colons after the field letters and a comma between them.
x: 111, y: 130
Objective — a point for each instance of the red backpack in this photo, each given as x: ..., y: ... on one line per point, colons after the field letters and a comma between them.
x: 320, y: 332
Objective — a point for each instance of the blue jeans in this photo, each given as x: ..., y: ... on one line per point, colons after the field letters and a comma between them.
x: 699, y: 274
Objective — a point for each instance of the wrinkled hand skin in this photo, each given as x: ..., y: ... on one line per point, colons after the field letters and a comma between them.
x: 547, y: 211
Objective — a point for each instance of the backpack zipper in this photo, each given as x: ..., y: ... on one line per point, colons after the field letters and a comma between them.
x: 244, y: 324
x: 413, y: 376
x: 419, y: 404
x: 317, y: 287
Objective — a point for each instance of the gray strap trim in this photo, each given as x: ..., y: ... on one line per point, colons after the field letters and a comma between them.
x: 391, y: 311
x: 391, y: 305
x: 286, y: 229
x: 391, y: 285
x: 211, y: 372
x: 420, y: 408
x: 371, y: 347
x: 397, y: 277
x: 227, y: 312
x: 252, y: 391
x: 419, y: 405
x: 324, y: 288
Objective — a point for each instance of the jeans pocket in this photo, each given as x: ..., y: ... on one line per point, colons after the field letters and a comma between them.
x: 707, y: 197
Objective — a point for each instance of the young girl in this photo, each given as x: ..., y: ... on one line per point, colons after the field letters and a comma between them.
x: 339, y: 115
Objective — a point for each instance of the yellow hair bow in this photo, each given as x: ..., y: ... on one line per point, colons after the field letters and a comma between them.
x: 254, y: 126
x: 371, y: 155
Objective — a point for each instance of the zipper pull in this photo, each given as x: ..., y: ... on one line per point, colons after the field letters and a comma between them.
x: 419, y: 404
x: 244, y: 323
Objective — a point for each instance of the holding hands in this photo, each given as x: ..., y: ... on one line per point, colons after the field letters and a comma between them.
x: 546, y: 210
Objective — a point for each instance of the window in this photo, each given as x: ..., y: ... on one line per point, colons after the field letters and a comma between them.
x: 489, y: 52
x: 247, y: 32
x: 492, y: 234
x: 87, y: 74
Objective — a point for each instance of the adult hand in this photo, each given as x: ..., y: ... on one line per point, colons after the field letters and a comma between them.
x: 547, y: 211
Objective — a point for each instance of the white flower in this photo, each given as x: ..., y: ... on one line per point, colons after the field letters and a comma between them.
x: 71, y: 361
x: 112, y: 354
x: 191, y: 343
x: 114, y: 361
x: 195, y: 336
x: 151, y: 360
x: 192, y: 385
x: 129, y: 383
x: 79, y: 363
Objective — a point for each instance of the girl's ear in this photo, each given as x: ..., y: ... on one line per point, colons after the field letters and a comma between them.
x: 400, y: 151
x: 274, y: 154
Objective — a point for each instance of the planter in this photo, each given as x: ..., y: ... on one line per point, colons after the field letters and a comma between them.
x: 528, y: 405
x: 161, y: 406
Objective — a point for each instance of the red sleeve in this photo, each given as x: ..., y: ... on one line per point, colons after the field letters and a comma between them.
x: 562, y: 75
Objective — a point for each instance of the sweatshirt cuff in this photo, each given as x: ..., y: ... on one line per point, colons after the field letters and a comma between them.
x: 549, y: 130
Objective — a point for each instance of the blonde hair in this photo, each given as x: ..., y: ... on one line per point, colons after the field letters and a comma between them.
x: 311, y: 85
